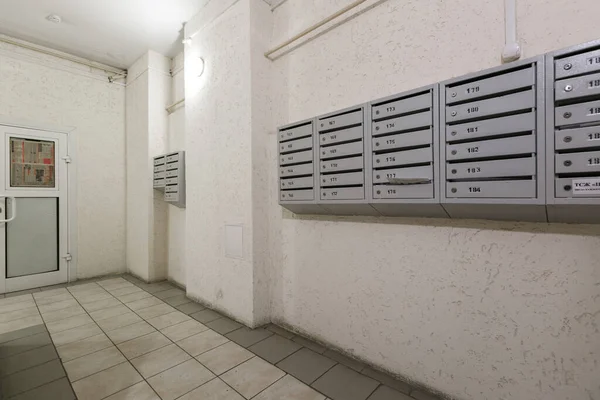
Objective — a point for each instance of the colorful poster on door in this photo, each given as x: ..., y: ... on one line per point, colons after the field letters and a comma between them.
x: 32, y: 163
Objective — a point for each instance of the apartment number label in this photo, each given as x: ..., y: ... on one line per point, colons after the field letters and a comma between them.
x: 474, y: 170
x: 473, y: 130
x: 593, y: 162
x: 474, y: 189
x: 473, y: 149
x: 593, y: 60
x: 594, y: 111
x: 472, y: 110
x: 594, y: 136
x: 390, y: 109
x: 391, y: 191
x: 390, y: 125
x: 390, y: 141
x: 473, y: 89
x: 594, y: 84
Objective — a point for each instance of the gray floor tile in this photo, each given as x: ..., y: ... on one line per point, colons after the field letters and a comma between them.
x: 68, y: 323
x: 128, y: 298
x: 316, y: 347
x: 252, y: 377
x: 92, y: 363
x: 57, y: 390
x: 139, y: 391
x: 155, y: 311
x: 144, y: 303
x: 119, y: 321
x: 342, y: 383
x: 223, y: 325
x: 107, y: 382
x: 419, y: 395
x: 53, y: 287
x: 24, y: 344
x: 289, y: 387
x: 386, y: 393
x: 202, y: 342
x: 44, y: 294
x: 125, y: 290
x: 225, y: 357
x: 105, y: 313
x: 387, y: 380
x: 75, y: 334
x: 306, y: 365
x: 280, y: 331
x: 31, y: 378
x: 179, y: 380
x: 177, y: 300
x: 206, y: 316
x: 130, y: 332
x: 342, y: 359
x: 102, y: 304
x: 144, y: 344
x: 47, y: 301
x: 21, y: 333
x: 190, y: 308
x: 21, y: 292
x: 59, y: 305
x: 274, y: 348
x: 73, y: 350
x: 63, y: 314
x: 166, y: 320
x: 183, y: 330
x: 165, y: 294
x: 213, y: 390
x: 160, y: 360
x: 18, y: 324
x: 158, y: 287
x: 246, y: 337
x: 28, y: 359
x: 18, y: 314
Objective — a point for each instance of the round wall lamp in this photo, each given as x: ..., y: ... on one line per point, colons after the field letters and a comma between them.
x: 199, y: 66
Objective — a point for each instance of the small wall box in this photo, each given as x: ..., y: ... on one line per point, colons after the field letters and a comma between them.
x: 493, y: 143
x: 169, y: 176
x: 573, y: 134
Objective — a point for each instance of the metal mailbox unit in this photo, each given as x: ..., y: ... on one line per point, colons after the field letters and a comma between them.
x: 297, y: 167
x: 573, y: 134
x: 493, y: 143
x: 404, y: 138
x: 343, y: 155
x: 169, y: 176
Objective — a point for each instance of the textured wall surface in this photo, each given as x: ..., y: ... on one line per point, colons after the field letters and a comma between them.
x: 475, y: 309
x: 42, y: 89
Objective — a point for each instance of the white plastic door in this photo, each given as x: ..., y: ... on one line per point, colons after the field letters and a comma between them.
x: 33, y: 209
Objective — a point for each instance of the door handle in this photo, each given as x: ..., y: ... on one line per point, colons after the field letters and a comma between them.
x: 13, y: 213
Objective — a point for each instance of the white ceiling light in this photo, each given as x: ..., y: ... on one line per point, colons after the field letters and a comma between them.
x: 54, y: 18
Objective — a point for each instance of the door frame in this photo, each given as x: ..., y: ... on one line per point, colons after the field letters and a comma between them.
x: 72, y: 234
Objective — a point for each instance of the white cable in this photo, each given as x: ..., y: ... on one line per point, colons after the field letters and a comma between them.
x: 512, y: 50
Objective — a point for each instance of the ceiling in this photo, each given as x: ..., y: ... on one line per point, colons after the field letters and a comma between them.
x: 113, y: 32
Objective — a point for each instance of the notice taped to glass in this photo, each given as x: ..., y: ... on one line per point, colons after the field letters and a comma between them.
x: 32, y: 163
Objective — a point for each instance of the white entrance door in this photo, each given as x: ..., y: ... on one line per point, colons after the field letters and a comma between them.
x: 33, y: 208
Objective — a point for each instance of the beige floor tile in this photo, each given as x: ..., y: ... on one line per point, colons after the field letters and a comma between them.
x: 213, y: 390
x: 125, y: 290
x: 86, y: 299
x: 144, y: 303
x: 155, y: 311
x: 68, y: 323
x: 105, y: 313
x: 107, y: 382
x: 159, y: 360
x: 130, y: 332
x: 225, y: 357
x: 54, y: 299
x: 179, y: 380
x: 62, y: 314
x: 102, y: 304
x: 139, y: 391
x: 17, y: 306
x: 128, y: 298
x: 83, y: 347
x: 252, y: 377
x: 143, y: 344
x: 92, y: 363
x: 75, y: 334
x: 183, y: 330
x: 119, y: 321
x: 84, y: 287
x: 50, y: 293
x: 22, y: 323
x: 59, y: 305
x: 202, y: 342
x: 19, y: 314
x: 164, y: 321
x: 290, y: 388
x: 115, y: 284
x: 14, y: 300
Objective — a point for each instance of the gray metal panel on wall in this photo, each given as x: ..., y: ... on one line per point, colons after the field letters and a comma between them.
x: 573, y: 134
x: 486, y: 117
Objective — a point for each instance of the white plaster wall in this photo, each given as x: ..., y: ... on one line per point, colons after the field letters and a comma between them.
x: 43, y: 89
x: 475, y: 309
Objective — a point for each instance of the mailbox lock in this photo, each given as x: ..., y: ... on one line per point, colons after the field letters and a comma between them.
x: 323, y: 138
x: 567, y: 115
x: 379, y: 192
x: 454, y: 113
x: 453, y: 190
x: 378, y: 176
x: 567, y: 139
x: 453, y: 133
x: 453, y: 94
x: 568, y: 188
x: 377, y: 112
x: 378, y: 161
x: 376, y: 144
x: 568, y: 66
x: 376, y: 128
x: 324, y: 194
x: 568, y: 88
x: 568, y: 163
x: 454, y: 152
x: 453, y: 171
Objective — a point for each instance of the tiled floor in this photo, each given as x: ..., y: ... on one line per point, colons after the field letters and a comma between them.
x: 122, y: 339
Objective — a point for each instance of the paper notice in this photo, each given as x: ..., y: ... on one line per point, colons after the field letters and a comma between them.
x: 586, y: 187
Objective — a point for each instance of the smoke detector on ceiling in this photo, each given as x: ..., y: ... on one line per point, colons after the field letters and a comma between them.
x: 54, y: 18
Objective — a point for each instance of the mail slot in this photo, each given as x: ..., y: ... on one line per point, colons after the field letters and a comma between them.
x: 387, y: 175
x: 159, y: 175
x: 355, y: 193
x: 409, y: 139
x: 492, y: 169
x: 171, y: 196
x: 171, y: 173
x: 295, y: 158
x: 351, y: 178
x: 297, y: 183
x: 582, y: 86
x: 497, y: 105
x: 159, y: 183
x: 297, y: 195
x: 341, y: 150
x: 491, y: 127
x: 172, y: 181
x: 341, y: 120
x: 492, y: 189
x: 578, y: 162
x: 578, y: 138
x: 160, y: 168
x: 491, y: 148
x: 578, y: 187
x: 344, y: 135
x: 497, y: 84
x: 173, y: 165
x: 577, y: 65
x: 296, y: 132
x: 578, y: 113
x: 402, y: 106
x: 418, y: 191
x: 296, y: 145
x: 172, y: 189
x: 172, y: 157
x: 403, y: 158
x: 406, y: 123
x: 295, y: 170
x: 159, y: 161
x: 346, y: 164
